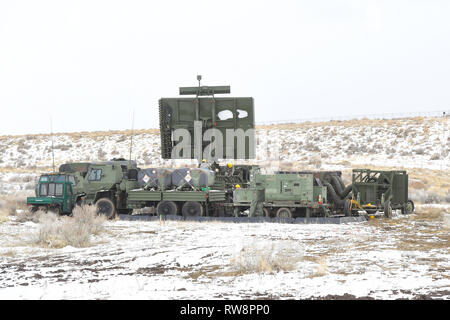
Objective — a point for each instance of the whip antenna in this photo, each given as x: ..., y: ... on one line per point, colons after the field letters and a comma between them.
x: 53, y: 152
x: 132, y: 133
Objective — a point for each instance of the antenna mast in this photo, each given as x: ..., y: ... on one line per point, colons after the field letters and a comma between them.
x: 132, y: 133
x: 53, y: 152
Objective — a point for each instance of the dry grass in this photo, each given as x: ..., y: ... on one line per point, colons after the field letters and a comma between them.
x: 3, y: 215
x: 423, y: 231
x: 446, y: 221
x: 76, y: 231
x: 25, y: 169
x: 27, y: 215
x: 207, y: 271
x: 364, y: 123
x: 10, y: 253
x: 430, y: 213
x: 321, y: 269
x: 9, y: 206
x: 271, y: 258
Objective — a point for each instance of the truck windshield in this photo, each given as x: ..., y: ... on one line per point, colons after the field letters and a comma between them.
x: 53, y: 178
x: 60, y: 178
x: 43, y: 190
x: 51, y: 189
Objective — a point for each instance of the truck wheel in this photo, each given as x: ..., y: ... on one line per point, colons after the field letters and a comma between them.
x: 56, y: 210
x: 284, y: 213
x: 388, y: 209
x: 166, y: 207
x: 106, y: 207
x: 192, y: 209
x: 267, y: 212
x: 347, y: 208
x: 408, y: 207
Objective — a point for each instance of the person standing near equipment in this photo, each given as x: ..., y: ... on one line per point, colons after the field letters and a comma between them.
x: 236, y: 209
x: 229, y: 169
x: 204, y: 164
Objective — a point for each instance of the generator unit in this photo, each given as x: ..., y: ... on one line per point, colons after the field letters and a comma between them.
x: 284, y: 195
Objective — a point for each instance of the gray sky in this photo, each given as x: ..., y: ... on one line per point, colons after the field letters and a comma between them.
x: 88, y: 64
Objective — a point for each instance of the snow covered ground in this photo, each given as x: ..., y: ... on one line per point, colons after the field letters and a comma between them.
x: 406, y: 257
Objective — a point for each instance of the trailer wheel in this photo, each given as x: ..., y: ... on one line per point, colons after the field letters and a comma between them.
x: 166, y: 207
x: 347, y: 207
x: 408, y: 208
x: 192, y: 209
x: 387, y: 209
x: 284, y: 213
x: 106, y: 207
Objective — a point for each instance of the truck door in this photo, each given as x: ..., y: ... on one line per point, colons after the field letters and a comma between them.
x: 68, y: 198
x: 95, y: 180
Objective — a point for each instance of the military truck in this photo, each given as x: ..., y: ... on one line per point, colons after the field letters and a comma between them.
x: 103, y: 184
x: 54, y: 192
x: 118, y: 186
x: 283, y: 195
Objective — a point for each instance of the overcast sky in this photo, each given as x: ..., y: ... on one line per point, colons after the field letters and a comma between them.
x: 88, y: 64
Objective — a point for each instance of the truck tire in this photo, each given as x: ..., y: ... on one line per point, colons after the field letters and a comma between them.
x: 192, y: 209
x: 387, y: 209
x: 55, y: 209
x: 267, y: 212
x: 106, y: 207
x: 284, y: 213
x: 166, y: 207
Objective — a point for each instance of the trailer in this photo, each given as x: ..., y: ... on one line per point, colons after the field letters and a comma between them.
x: 173, y: 202
x: 376, y: 190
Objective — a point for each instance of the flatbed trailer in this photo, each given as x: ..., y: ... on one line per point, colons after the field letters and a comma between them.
x: 175, y: 202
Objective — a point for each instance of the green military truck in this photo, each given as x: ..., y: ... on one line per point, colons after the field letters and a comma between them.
x: 54, y: 192
x: 283, y: 195
x: 103, y: 184
x: 118, y: 187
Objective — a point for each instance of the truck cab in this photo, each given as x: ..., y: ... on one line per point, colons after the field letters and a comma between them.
x: 103, y: 184
x: 54, y: 192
